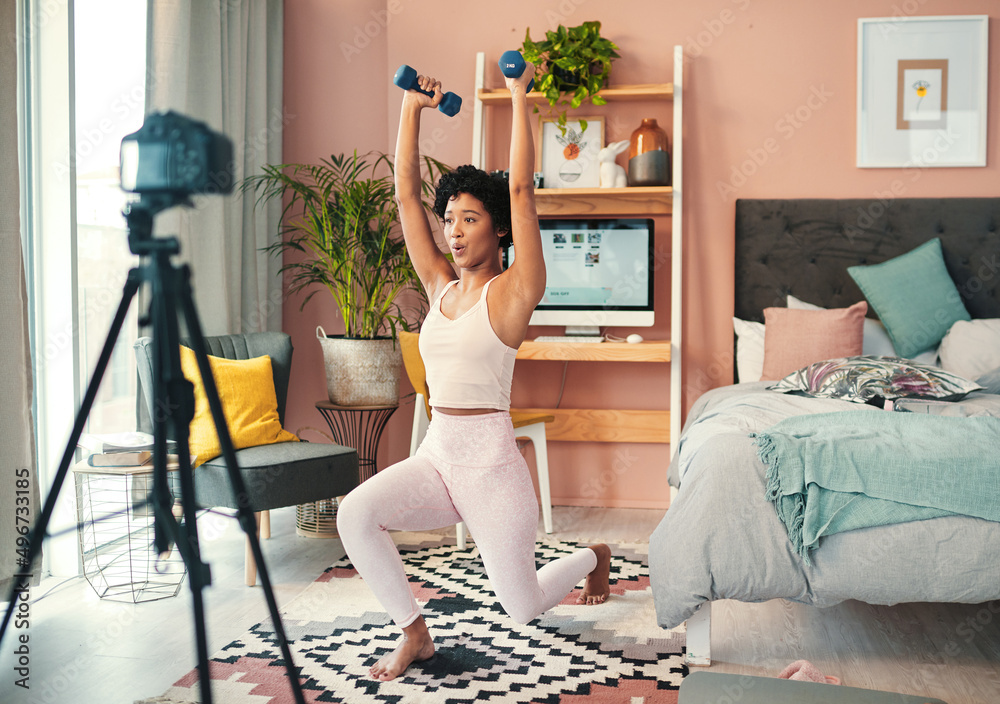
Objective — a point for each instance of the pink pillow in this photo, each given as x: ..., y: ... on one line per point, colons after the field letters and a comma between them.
x: 796, y: 338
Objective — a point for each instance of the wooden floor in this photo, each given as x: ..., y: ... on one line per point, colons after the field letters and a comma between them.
x: 90, y: 651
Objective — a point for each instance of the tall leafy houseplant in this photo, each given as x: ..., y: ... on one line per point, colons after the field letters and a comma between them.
x: 341, y: 214
x: 339, y: 224
x: 571, y: 66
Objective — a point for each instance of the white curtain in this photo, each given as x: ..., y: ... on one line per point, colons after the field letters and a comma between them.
x: 220, y: 62
x: 19, y: 501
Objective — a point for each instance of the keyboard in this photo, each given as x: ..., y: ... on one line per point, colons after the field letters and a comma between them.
x: 569, y: 338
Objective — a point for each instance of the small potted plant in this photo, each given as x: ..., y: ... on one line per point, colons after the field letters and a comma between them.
x: 339, y: 226
x: 571, y: 66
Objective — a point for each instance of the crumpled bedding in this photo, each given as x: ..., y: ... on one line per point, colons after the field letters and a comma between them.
x: 721, y: 537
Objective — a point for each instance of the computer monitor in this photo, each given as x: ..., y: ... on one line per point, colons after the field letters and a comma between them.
x: 599, y: 273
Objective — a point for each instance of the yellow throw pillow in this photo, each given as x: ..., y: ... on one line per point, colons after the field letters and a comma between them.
x: 246, y: 390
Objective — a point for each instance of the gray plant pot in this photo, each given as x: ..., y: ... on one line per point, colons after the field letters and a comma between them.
x: 361, y: 372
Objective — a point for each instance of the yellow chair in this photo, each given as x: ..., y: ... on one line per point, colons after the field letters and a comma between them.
x: 528, y: 426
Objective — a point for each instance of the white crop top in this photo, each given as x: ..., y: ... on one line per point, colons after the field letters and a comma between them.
x: 467, y: 365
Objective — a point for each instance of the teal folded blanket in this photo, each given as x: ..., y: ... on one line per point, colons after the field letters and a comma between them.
x: 831, y: 472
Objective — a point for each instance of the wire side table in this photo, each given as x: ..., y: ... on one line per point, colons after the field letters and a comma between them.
x: 115, y: 530
x: 359, y: 427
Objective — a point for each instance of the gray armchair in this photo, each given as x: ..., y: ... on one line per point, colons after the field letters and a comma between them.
x: 284, y: 474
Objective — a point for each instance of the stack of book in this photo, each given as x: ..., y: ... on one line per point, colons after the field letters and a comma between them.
x: 122, y: 450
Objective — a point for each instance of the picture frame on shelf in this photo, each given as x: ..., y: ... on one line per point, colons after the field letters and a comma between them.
x: 922, y: 91
x: 570, y: 160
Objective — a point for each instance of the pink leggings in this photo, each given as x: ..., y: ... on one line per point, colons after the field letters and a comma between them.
x: 468, y: 468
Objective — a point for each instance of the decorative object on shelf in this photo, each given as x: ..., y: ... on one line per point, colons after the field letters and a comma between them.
x: 339, y: 226
x: 921, y: 91
x: 649, y: 156
x: 570, y: 159
x: 574, y: 62
x: 612, y: 175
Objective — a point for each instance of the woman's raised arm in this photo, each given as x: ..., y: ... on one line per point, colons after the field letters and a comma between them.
x: 430, y: 263
x: 528, y: 269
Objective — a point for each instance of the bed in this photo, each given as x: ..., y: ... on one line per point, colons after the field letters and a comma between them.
x: 721, y: 537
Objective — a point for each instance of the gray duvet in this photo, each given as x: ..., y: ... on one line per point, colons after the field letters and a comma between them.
x: 721, y: 538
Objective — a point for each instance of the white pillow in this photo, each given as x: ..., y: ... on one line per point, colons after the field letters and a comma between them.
x: 971, y: 347
x: 877, y: 342
x: 749, y: 349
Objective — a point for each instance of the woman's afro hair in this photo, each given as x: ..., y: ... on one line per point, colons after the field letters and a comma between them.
x: 492, y: 190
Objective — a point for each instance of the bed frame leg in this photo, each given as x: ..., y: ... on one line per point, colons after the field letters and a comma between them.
x: 699, y: 637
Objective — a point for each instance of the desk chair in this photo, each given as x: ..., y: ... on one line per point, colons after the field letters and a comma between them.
x: 279, y: 475
x: 527, y: 426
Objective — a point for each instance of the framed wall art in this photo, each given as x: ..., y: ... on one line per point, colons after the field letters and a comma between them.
x: 922, y: 91
x: 570, y: 160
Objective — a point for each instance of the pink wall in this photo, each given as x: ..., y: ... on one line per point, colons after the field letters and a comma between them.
x: 757, y: 70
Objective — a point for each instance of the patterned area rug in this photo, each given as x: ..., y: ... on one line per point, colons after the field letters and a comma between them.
x: 571, y: 654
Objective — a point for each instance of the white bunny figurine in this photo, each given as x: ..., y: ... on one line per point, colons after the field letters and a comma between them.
x: 612, y: 175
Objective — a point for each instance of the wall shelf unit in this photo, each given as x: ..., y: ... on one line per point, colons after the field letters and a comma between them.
x: 611, y: 425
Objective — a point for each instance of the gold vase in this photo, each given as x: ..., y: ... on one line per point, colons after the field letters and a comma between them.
x: 648, y: 156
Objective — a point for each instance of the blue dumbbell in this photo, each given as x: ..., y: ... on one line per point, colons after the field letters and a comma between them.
x: 512, y: 65
x: 406, y: 78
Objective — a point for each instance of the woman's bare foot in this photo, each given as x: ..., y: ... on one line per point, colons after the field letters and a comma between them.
x: 597, y: 589
x: 416, y: 646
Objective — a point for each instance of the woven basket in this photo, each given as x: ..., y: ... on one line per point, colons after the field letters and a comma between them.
x: 317, y: 519
x: 361, y: 372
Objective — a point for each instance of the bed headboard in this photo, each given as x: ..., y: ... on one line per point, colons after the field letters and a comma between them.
x: 804, y: 246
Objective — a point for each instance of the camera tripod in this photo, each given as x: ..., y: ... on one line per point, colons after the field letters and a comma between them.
x: 173, y: 408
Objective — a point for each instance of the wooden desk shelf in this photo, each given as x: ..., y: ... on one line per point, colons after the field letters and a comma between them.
x: 602, y: 425
x: 604, y: 202
x: 658, y: 351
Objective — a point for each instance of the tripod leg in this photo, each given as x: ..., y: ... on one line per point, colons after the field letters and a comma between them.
x: 37, y: 534
x: 246, y: 516
x: 175, y: 395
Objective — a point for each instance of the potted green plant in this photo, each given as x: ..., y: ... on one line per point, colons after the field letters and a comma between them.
x: 339, y: 228
x: 571, y: 65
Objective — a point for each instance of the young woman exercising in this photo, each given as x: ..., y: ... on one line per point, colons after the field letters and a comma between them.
x: 468, y: 467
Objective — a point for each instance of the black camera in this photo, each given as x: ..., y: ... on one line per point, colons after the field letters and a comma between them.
x: 173, y: 154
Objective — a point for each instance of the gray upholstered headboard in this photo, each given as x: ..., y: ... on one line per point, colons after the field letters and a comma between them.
x: 804, y: 246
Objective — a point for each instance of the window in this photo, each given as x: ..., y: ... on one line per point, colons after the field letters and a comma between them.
x: 84, y: 81
x: 110, y: 75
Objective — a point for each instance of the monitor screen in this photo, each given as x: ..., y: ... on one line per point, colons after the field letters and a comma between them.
x: 598, y: 273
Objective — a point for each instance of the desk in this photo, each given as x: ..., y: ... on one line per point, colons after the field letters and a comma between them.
x: 602, y: 424
x: 359, y: 427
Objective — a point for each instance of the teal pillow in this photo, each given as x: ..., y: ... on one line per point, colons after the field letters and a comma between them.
x: 914, y: 297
